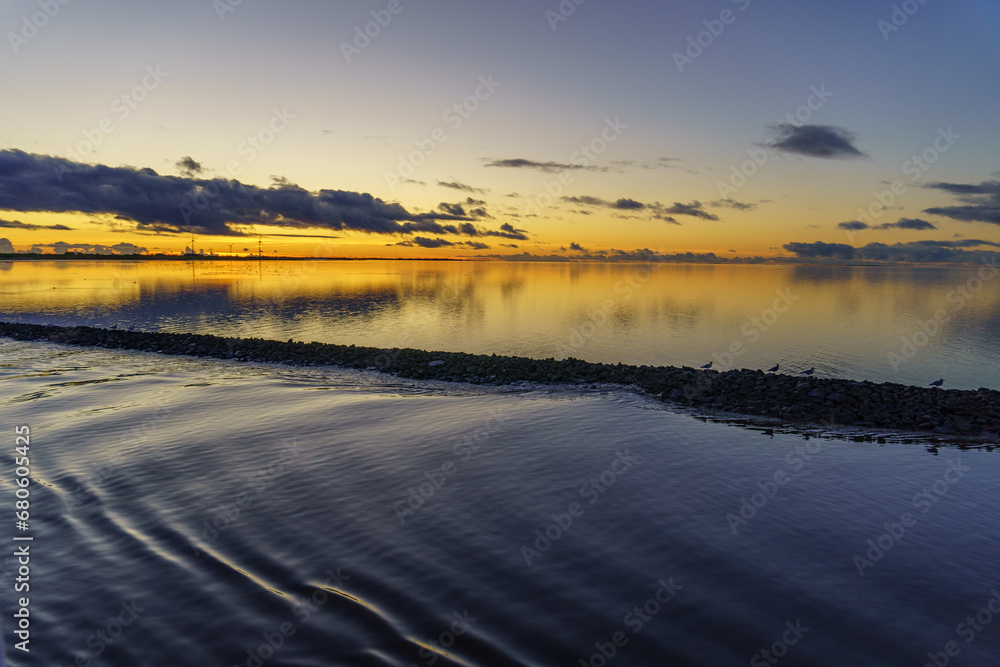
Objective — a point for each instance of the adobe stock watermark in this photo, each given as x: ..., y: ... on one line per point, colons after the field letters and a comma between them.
x: 262, y: 479
x: 455, y: 116
x: 104, y: 638
x: 447, y: 638
x: 915, y: 168
x: 303, y: 609
x: 769, y: 488
x: 779, y: 649
x: 136, y: 436
x: 249, y: 149
x: 897, y: 19
x: 635, y: 620
x: 755, y: 326
x: 741, y: 173
x: 930, y: 329
x: 626, y: 288
x: 585, y: 156
x: 593, y: 489
x: 696, y: 44
x: 968, y: 630
x: 924, y: 500
x: 31, y: 25
x: 223, y: 7
x: 121, y: 107
x: 562, y: 13
x: 363, y: 35
x: 466, y: 447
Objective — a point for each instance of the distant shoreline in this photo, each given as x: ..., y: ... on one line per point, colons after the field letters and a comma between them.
x: 653, y: 259
x: 793, y: 400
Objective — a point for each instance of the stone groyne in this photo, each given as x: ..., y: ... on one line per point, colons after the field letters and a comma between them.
x: 790, y: 399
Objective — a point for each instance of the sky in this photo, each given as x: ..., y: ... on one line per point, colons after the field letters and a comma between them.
x: 437, y: 128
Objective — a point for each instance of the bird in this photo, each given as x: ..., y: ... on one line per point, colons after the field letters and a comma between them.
x: 937, y: 383
x: 809, y: 372
x: 773, y: 369
x: 708, y: 365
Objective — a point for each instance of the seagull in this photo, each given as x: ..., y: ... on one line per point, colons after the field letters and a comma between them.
x: 809, y: 372
x: 937, y: 383
x: 708, y: 365
x: 771, y: 370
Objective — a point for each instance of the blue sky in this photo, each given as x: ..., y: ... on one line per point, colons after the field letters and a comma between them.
x: 350, y: 121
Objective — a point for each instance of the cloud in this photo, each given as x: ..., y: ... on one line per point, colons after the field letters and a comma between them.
x: 853, y: 225
x: 6, y: 247
x: 990, y: 214
x: 732, y: 203
x: 61, y: 248
x: 423, y: 242
x: 824, y: 141
x: 17, y: 224
x: 577, y: 247
x: 820, y: 249
x: 983, y: 202
x: 173, y: 204
x: 548, y: 167
x: 585, y: 200
x: 629, y: 204
x: 693, y: 209
x: 907, y: 223
x: 188, y: 167
x: 951, y: 252
x: 455, y: 185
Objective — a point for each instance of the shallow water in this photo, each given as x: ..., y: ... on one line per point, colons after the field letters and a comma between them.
x: 844, y: 321
x: 229, y: 505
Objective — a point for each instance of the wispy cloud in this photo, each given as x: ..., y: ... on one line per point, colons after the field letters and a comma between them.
x: 17, y: 224
x: 982, y: 202
x: 548, y: 167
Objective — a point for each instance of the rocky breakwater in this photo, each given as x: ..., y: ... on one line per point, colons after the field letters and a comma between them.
x: 789, y: 399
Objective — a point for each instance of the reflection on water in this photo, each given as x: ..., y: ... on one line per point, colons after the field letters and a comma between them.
x: 909, y: 325
x: 219, y: 501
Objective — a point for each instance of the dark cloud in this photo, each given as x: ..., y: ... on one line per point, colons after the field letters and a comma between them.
x: 668, y: 219
x: 629, y: 204
x: 907, y: 223
x: 422, y: 242
x: 6, y: 247
x: 521, y: 163
x: 188, y: 167
x: 452, y: 209
x: 577, y: 247
x: 171, y: 204
x: 455, y: 185
x: 853, y: 225
x: 17, y: 224
x: 820, y: 249
x: 732, y: 203
x: 951, y: 252
x: 983, y: 202
x: 989, y: 189
x: 694, y: 209
x: 825, y: 141
x: 990, y: 214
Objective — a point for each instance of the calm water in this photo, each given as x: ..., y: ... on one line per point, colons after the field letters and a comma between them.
x: 844, y: 321
x: 240, y: 514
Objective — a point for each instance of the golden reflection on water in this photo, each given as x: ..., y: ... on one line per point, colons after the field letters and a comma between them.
x: 633, y: 313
